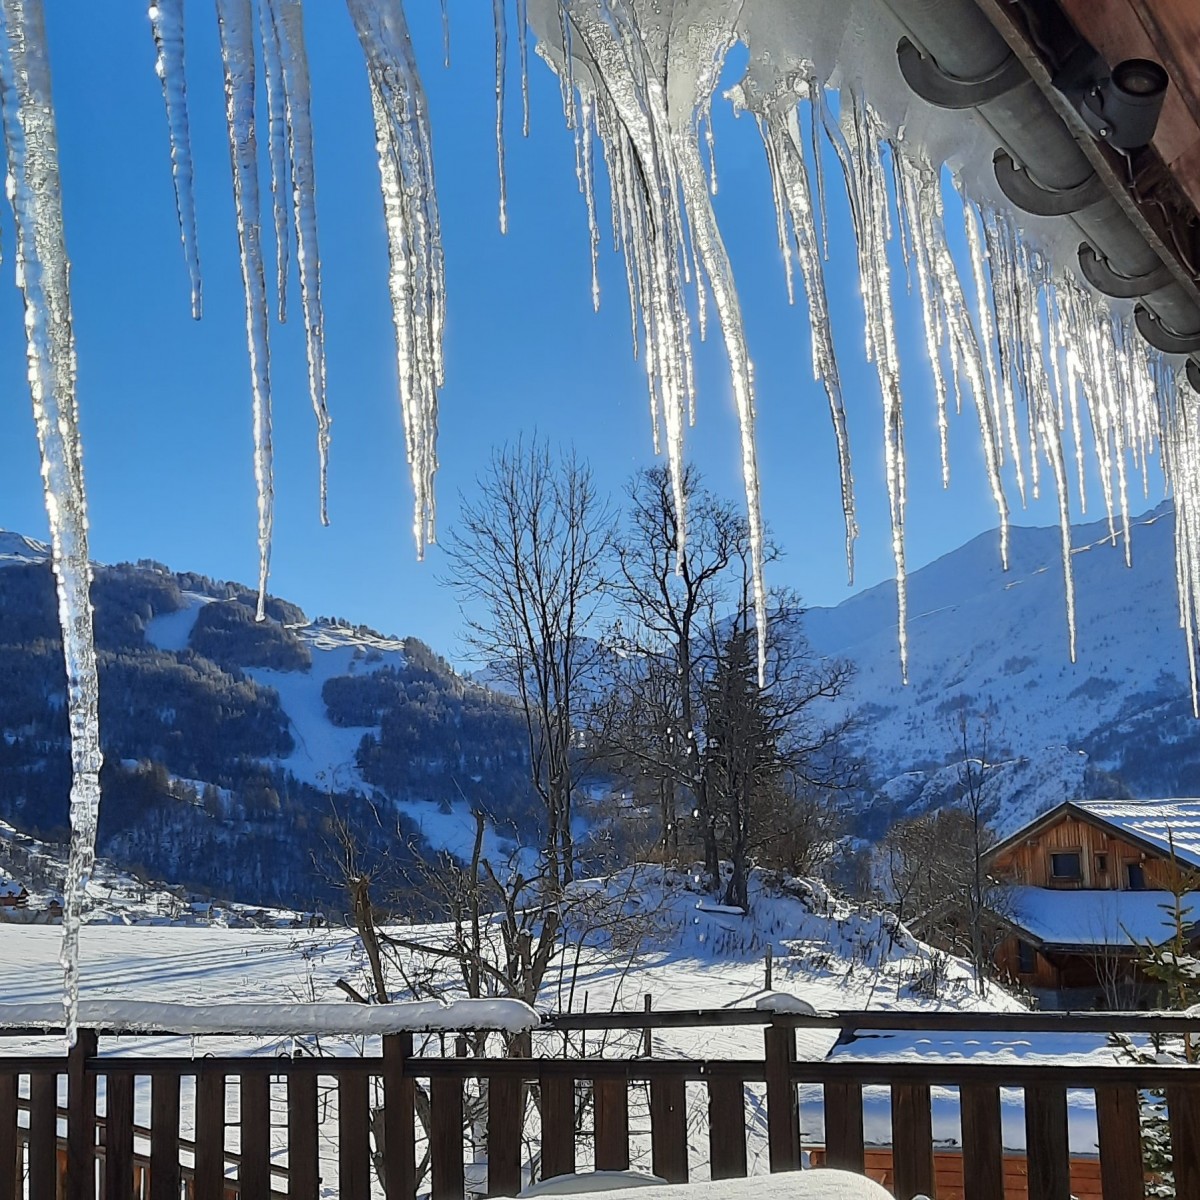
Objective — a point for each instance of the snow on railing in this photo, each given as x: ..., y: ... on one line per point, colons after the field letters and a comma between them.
x: 419, y: 1016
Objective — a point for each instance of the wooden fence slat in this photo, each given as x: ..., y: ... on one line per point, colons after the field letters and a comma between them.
x: 304, y: 1180
x: 668, y: 1128
x: 81, y: 1120
x: 254, y: 1170
x: 505, y: 1121
x: 118, y: 1137
x: 8, y: 1131
x: 164, y: 1136
x: 844, y: 1126
x: 1046, y: 1142
x: 399, y: 1105
x: 1118, y: 1120
x: 354, y: 1136
x: 1183, y: 1111
x: 726, y: 1128
x: 210, y: 1137
x: 558, y: 1125
x: 447, y: 1181
x: 912, y: 1140
x: 783, y: 1107
x: 982, y: 1142
x: 43, y: 1136
x: 611, y: 1100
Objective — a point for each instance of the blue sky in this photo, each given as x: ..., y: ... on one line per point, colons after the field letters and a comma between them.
x: 165, y: 401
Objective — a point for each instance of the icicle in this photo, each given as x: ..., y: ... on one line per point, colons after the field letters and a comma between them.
x: 289, y: 21
x: 416, y: 276
x: 711, y: 248
x: 35, y: 192
x: 587, y: 122
x: 794, y: 202
x: 1004, y: 291
x: 235, y: 22
x: 918, y: 195
x: 166, y: 23
x: 871, y: 226
x: 500, y: 29
x: 277, y: 146
x: 523, y: 57
x: 445, y: 33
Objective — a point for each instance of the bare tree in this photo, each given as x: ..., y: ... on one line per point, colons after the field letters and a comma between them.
x: 653, y: 719
x: 935, y: 866
x: 984, y: 897
x: 769, y: 742
x: 529, y: 559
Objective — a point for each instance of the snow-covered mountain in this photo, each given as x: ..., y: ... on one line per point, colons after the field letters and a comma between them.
x: 990, y: 641
x: 231, y: 744
x: 228, y: 741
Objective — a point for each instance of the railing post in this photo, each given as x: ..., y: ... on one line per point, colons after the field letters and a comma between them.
x: 844, y: 1126
x: 1118, y: 1121
x: 81, y: 1118
x: 783, y: 1109
x: 668, y: 1128
x: 1183, y: 1112
x: 399, y: 1101
x: 8, y: 1131
x: 1047, y: 1143
x: 982, y: 1141
x: 912, y: 1140
x: 611, y: 1100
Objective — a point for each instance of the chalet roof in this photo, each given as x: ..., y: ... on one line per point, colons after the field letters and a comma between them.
x: 1156, y: 822
x: 1085, y: 918
x: 9, y: 889
x: 1152, y: 824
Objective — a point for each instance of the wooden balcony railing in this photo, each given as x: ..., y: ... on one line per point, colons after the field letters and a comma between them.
x: 371, y: 1124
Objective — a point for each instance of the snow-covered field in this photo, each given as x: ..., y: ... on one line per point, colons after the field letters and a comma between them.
x: 676, y: 949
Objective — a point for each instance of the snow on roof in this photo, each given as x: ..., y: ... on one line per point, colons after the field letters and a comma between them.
x: 418, y: 1016
x: 9, y: 888
x: 1096, y: 918
x: 1158, y: 822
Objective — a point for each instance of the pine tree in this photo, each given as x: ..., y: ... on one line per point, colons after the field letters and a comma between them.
x: 1178, y: 970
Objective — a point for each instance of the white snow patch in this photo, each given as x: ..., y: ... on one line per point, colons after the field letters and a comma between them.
x: 172, y: 631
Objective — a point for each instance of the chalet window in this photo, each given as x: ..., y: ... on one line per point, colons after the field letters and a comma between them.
x: 1101, y: 864
x: 1136, y: 874
x: 1026, y: 958
x: 1065, y: 866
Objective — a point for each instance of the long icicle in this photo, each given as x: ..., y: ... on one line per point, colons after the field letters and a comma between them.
x: 870, y: 188
x: 35, y: 192
x: 235, y: 23
x: 790, y: 180
x: 297, y: 93
x: 416, y: 277
x: 500, y: 31
x: 277, y: 146
x: 166, y: 24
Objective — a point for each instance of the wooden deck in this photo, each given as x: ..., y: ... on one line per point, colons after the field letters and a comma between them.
x: 577, y: 1110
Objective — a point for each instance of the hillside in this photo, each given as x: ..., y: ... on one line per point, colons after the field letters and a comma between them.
x: 230, y: 744
x: 992, y: 641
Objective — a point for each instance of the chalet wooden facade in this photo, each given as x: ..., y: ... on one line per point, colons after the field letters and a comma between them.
x: 1088, y: 885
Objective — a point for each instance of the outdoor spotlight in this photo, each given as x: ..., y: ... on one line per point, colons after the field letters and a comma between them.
x: 1121, y: 106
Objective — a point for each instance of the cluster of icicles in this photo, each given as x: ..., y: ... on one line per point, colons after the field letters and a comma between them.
x: 1016, y: 337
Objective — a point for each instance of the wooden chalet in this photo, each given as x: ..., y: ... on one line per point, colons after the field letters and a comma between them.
x: 1089, y: 887
x: 12, y: 895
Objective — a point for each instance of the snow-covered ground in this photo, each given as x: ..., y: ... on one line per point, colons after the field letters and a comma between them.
x: 681, y: 951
